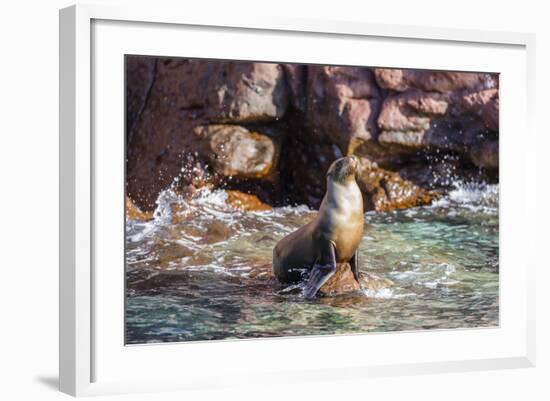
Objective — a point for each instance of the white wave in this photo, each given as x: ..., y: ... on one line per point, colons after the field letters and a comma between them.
x: 217, y: 197
x: 382, y: 293
x: 474, y: 193
x: 474, y: 196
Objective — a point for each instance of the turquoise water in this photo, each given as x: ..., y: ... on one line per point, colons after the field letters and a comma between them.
x: 201, y: 271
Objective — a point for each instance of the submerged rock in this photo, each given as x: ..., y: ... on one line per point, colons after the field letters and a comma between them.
x: 374, y: 282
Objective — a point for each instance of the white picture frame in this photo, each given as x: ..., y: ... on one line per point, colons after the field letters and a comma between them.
x: 84, y: 328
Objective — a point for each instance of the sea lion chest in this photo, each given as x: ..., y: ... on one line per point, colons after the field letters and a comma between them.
x: 342, y: 221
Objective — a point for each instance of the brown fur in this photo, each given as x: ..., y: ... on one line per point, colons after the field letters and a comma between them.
x: 339, y: 220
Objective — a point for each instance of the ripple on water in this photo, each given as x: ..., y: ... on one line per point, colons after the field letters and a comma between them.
x: 201, y: 270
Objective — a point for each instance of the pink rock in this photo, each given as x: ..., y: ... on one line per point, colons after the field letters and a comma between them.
x: 411, y: 111
x: 485, y: 104
x: 433, y: 81
x: 245, y: 92
x: 342, y: 105
x: 460, y: 121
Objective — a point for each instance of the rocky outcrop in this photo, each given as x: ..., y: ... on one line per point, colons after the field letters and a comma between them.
x: 234, y: 151
x: 271, y: 130
x: 443, y: 111
x: 162, y: 137
x: 385, y: 190
x: 140, y: 72
x: 342, y: 106
x: 244, y: 92
x: 304, y: 168
x: 178, y: 135
x: 484, y: 104
x: 401, y: 80
x: 305, y: 178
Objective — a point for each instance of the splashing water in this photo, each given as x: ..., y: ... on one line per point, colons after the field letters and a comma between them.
x: 202, y: 270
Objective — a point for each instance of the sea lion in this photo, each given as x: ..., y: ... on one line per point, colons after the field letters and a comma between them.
x: 331, y: 237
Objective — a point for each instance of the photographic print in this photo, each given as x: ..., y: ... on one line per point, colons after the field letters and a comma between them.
x: 277, y: 199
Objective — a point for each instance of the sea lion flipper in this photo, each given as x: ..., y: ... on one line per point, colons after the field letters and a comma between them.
x: 354, y: 264
x: 321, y: 271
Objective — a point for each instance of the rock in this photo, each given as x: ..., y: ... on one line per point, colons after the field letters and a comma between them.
x: 296, y: 78
x: 272, y: 130
x: 134, y: 213
x: 168, y: 142
x: 341, y: 282
x: 484, y: 154
x: 410, y: 112
x: 385, y: 190
x: 449, y: 111
x: 342, y: 106
x: 163, y: 141
x: 484, y: 103
x: 225, y: 91
x: 245, y: 202
x: 416, y: 120
x: 237, y: 152
x: 305, y: 180
x: 401, y: 80
x: 304, y: 168
x: 458, y: 122
x: 245, y: 92
x: 140, y: 72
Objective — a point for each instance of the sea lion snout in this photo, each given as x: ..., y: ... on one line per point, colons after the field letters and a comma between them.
x: 343, y: 168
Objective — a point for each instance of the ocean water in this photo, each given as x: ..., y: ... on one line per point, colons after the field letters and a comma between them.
x: 201, y: 271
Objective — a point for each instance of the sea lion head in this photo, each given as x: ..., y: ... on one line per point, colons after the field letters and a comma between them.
x: 343, y: 169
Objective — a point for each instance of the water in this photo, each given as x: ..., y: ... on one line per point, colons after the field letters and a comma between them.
x: 201, y: 271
